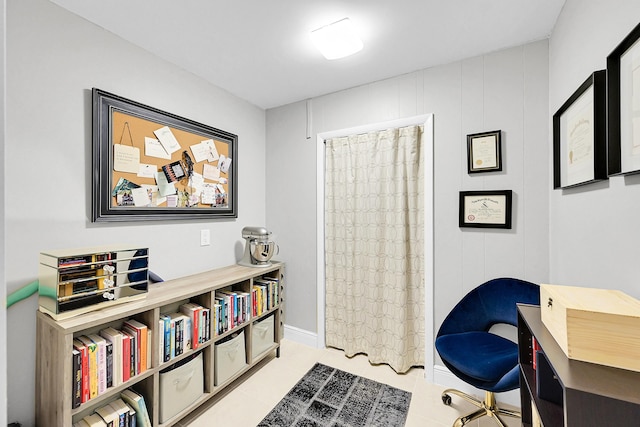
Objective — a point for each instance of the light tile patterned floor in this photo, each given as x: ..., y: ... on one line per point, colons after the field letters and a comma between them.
x: 252, y: 398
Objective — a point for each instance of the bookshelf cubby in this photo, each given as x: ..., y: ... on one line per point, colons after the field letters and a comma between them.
x: 558, y: 391
x: 54, y: 341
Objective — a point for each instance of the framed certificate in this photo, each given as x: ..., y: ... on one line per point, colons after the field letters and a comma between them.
x: 484, y: 153
x: 485, y: 209
x: 623, y: 104
x: 580, y: 135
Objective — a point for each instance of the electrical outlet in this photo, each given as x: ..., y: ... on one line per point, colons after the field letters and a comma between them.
x: 205, y: 238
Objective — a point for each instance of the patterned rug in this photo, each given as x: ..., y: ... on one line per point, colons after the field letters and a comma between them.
x: 329, y: 397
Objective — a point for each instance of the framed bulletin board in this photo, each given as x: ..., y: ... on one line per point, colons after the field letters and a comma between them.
x: 152, y: 165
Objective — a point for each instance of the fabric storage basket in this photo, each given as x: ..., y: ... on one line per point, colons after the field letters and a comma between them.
x: 262, y: 337
x: 180, y: 386
x: 230, y: 358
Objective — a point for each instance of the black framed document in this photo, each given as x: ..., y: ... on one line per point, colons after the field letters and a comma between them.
x: 484, y: 153
x: 580, y: 135
x: 485, y: 209
x: 623, y: 105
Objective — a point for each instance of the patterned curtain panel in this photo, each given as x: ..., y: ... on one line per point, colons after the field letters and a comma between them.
x: 374, y: 239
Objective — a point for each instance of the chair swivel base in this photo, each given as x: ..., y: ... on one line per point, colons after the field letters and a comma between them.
x: 486, y: 407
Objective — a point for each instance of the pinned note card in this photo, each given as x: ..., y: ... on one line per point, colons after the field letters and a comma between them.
x: 196, y: 182
x: 165, y: 187
x: 172, y: 201
x: 126, y: 158
x: 200, y: 152
x: 167, y: 139
x: 210, y: 172
x: 212, y: 151
x: 141, y: 197
x: 224, y: 164
x: 153, y: 148
x: 208, y: 195
x: 147, y: 171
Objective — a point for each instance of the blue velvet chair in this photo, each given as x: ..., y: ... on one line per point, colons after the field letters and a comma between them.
x: 478, y: 357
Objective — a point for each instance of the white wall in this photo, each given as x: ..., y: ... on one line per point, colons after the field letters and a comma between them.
x: 54, y: 58
x: 593, y: 229
x: 504, y: 90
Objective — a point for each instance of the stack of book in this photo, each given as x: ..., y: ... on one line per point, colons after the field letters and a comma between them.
x: 264, y: 294
x: 108, y: 359
x: 183, y: 330
x: 231, y: 309
x: 129, y: 410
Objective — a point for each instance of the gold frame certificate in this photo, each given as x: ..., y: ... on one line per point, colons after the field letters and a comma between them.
x: 484, y: 153
x: 485, y: 209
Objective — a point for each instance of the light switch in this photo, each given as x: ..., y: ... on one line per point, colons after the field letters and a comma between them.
x: 205, y: 238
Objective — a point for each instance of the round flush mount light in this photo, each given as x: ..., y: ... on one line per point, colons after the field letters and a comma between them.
x: 337, y: 40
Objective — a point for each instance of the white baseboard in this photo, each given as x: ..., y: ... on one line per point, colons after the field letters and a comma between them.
x: 442, y: 376
x: 301, y: 336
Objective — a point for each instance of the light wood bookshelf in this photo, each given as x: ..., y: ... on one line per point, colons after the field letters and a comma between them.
x: 54, y: 343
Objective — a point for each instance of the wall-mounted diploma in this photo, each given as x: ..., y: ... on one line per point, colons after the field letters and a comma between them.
x: 578, y: 129
x: 489, y: 209
x: 484, y: 152
x: 485, y: 209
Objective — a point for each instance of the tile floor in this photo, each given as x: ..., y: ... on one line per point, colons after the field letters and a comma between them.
x: 253, y: 396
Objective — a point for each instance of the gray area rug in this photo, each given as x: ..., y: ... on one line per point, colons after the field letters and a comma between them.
x: 329, y: 397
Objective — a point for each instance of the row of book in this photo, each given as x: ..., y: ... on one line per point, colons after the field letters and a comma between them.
x: 183, y: 330
x: 265, y: 295
x: 129, y: 410
x: 232, y: 308
x: 108, y: 359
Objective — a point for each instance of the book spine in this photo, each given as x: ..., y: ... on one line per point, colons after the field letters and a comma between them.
x: 187, y: 334
x: 93, y: 370
x: 85, y: 371
x: 76, y: 357
x: 195, y: 320
x: 109, y: 363
x: 134, y: 355
x: 216, y: 319
x: 101, y: 354
x: 172, y: 340
x: 143, y: 334
x: 126, y: 357
x: 167, y: 338
x: 179, y: 336
x: 160, y: 340
x: 207, y: 323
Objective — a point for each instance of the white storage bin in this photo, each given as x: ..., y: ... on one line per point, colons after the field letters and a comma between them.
x: 230, y: 358
x: 262, y: 337
x: 180, y: 387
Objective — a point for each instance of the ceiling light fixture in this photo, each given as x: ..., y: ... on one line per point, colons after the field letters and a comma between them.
x: 337, y: 40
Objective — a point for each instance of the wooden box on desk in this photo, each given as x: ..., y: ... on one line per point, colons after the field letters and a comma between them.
x: 593, y: 325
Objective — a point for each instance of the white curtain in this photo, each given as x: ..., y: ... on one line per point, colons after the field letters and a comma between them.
x: 374, y: 240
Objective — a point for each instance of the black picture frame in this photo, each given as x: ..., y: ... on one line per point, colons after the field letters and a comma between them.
x: 580, y: 155
x: 484, y: 152
x: 108, y: 185
x: 485, y: 209
x: 623, y: 144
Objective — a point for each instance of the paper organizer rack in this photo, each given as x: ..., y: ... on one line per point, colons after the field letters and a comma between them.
x: 81, y: 280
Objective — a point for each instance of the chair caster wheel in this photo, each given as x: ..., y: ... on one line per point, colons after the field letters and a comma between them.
x: 446, y: 399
